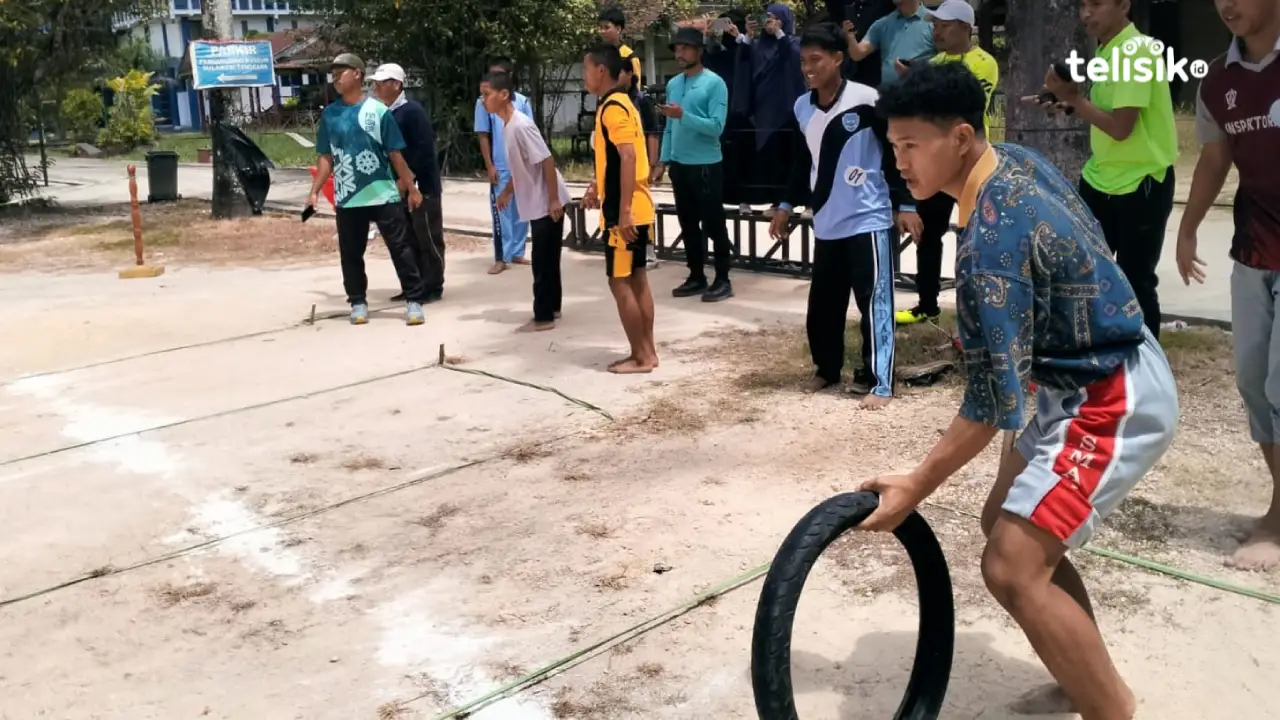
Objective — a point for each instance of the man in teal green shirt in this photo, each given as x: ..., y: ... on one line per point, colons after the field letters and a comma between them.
x: 902, y: 37
x: 697, y: 105
x: 1128, y: 180
x: 359, y: 142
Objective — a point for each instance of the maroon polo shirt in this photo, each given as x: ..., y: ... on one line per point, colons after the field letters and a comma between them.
x: 1239, y: 104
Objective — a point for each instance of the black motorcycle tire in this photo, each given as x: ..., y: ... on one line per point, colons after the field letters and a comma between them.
x: 775, y: 613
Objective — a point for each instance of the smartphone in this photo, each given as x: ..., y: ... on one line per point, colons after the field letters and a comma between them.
x: 1048, y: 97
x: 307, y: 212
x: 720, y: 26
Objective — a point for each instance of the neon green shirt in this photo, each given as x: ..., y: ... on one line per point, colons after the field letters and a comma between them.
x: 985, y: 68
x: 1119, y: 167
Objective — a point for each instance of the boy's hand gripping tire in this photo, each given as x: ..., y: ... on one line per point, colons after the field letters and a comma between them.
x: 775, y: 615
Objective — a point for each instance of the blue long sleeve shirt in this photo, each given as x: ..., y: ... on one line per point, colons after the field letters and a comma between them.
x: 1038, y: 294
x: 694, y: 138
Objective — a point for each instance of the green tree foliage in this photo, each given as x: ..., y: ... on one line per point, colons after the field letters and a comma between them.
x: 43, y: 44
x: 130, y: 122
x: 449, y: 46
x: 82, y: 111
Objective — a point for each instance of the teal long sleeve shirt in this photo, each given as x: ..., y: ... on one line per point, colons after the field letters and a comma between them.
x: 694, y: 138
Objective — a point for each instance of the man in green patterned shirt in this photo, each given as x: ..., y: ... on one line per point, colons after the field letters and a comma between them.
x: 359, y: 143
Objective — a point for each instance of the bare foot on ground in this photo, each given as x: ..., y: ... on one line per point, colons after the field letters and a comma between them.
x: 535, y: 326
x: 875, y: 402
x: 632, y: 366
x: 816, y: 384
x: 619, y: 361
x: 1260, y: 552
x: 1044, y: 700
x: 521, y: 261
x: 497, y: 268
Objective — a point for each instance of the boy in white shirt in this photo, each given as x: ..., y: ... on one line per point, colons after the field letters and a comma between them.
x: 540, y: 194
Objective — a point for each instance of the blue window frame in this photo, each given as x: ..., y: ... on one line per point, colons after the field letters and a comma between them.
x: 181, y: 5
x: 257, y: 4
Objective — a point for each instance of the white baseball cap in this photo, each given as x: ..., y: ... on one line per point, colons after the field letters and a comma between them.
x: 947, y: 10
x: 390, y: 71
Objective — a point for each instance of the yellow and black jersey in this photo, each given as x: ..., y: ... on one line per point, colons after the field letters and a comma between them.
x: 985, y: 68
x: 618, y: 123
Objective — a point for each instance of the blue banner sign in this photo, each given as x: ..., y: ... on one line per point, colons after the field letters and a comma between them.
x: 231, y: 64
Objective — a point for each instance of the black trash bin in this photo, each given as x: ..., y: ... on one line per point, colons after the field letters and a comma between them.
x: 162, y: 176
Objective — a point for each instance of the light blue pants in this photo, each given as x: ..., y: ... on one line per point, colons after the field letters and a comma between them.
x: 1256, y: 335
x: 509, y: 232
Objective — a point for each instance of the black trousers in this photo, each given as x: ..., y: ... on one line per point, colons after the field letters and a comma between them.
x: 699, y: 191
x: 1134, y: 226
x: 863, y: 265
x: 935, y: 214
x: 427, y: 225
x: 548, y: 235
x: 353, y: 237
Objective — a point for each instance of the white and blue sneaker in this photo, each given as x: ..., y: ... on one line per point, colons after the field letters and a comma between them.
x: 413, y: 313
x: 359, y: 314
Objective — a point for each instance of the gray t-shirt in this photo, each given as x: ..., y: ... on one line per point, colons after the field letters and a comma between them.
x: 525, y: 152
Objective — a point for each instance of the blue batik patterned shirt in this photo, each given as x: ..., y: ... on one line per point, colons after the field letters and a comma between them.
x: 1038, y: 294
x: 358, y: 137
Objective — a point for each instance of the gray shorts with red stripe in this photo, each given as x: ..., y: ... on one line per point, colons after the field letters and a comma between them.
x: 1086, y: 449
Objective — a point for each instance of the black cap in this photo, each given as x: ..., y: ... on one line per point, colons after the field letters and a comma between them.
x: 687, y: 36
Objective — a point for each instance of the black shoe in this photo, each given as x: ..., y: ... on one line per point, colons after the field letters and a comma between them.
x: 692, y: 286
x: 432, y: 297
x: 719, y: 290
x: 861, y: 383
x: 397, y: 298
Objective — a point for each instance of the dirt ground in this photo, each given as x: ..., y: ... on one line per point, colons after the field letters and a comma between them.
x: 310, y: 521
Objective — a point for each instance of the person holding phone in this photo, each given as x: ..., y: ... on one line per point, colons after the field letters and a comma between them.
x: 1128, y: 180
x: 696, y: 110
x: 900, y: 37
x: 953, y: 25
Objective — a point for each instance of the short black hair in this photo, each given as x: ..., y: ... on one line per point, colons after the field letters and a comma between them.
x: 608, y: 56
x: 825, y: 36
x: 613, y: 14
x: 940, y: 93
x: 503, y: 65
x: 500, y: 81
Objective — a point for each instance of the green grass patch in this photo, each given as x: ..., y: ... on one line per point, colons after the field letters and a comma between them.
x: 150, y: 238
x: 282, y: 149
x: 110, y: 226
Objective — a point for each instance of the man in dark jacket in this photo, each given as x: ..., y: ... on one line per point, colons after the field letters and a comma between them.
x: 420, y: 154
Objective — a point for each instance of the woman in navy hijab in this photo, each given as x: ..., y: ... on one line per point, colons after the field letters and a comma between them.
x: 768, y: 98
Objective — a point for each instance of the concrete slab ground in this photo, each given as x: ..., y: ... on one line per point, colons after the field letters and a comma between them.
x: 391, y: 540
x: 260, y: 517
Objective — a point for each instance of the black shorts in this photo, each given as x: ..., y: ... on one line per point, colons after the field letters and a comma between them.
x: 622, y: 258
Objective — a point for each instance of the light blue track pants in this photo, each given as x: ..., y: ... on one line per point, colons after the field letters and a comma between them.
x: 509, y: 232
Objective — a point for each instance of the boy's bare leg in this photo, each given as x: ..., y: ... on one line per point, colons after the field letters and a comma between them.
x: 1018, y: 565
x: 632, y: 324
x: 1261, y: 548
x: 640, y: 285
x: 1048, y: 699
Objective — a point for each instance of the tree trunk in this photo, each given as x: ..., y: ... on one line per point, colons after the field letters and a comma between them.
x: 1041, y: 32
x: 216, y: 17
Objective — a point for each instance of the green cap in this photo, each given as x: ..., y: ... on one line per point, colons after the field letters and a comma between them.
x: 348, y: 60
